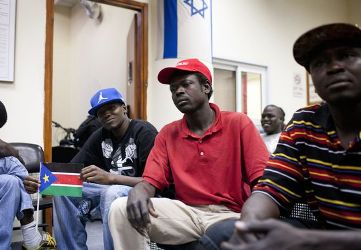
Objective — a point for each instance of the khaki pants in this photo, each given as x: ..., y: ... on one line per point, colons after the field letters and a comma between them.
x: 177, y: 223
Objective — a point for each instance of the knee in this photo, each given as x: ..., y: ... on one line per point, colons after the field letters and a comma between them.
x: 118, y: 209
x: 217, y: 233
x: 10, y: 182
x: 113, y: 192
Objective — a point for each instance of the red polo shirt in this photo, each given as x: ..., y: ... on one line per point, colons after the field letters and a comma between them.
x: 213, y: 169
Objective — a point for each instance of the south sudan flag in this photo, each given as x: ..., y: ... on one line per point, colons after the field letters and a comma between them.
x: 61, y: 179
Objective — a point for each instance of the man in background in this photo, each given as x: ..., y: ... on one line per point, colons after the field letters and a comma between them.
x: 114, y: 158
x: 272, y: 121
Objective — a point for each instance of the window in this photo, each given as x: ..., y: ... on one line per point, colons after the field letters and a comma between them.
x: 240, y: 87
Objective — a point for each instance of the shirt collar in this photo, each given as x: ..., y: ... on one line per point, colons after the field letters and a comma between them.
x: 324, y: 118
x: 216, y: 125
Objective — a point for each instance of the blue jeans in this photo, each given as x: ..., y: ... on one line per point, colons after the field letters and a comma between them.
x: 69, y: 221
x: 222, y: 231
x: 13, y: 197
x: 216, y: 234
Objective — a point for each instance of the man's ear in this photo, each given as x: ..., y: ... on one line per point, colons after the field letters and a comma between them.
x: 206, y: 87
x: 125, y: 109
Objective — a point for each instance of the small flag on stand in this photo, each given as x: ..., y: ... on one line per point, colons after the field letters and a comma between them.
x: 61, y: 179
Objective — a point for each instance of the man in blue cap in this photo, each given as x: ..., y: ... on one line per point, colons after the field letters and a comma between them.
x: 114, y: 158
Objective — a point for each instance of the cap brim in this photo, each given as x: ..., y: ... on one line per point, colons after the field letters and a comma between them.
x: 93, y: 111
x: 165, y: 75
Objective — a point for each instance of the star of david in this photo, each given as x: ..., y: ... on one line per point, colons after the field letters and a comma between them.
x: 194, y: 9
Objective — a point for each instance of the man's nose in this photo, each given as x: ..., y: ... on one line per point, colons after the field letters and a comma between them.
x: 335, y: 65
x: 179, y: 90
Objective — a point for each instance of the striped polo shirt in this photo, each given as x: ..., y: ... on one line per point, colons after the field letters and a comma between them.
x: 310, y: 164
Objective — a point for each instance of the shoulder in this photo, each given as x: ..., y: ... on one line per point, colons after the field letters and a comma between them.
x: 228, y: 115
x: 94, y: 139
x: 172, y: 127
x: 310, y: 115
x: 236, y: 119
x: 307, y: 112
x: 140, y: 125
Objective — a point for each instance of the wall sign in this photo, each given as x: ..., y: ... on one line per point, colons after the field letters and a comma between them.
x: 7, y: 39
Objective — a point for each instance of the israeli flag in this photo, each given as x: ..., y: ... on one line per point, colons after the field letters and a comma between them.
x: 185, y: 29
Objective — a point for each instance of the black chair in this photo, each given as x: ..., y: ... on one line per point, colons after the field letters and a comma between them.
x: 63, y: 154
x: 32, y: 155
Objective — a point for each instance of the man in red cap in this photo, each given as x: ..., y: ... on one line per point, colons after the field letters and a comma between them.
x: 318, y: 157
x: 213, y: 158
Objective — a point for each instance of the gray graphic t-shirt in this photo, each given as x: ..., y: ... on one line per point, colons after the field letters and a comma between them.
x: 119, y: 164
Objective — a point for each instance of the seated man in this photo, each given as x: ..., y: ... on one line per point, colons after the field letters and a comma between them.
x: 15, y: 186
x: 212, y: 157
x: 318, y: 158
x: 86, y: 129
x: 114, y: 157
x: 272, y: 121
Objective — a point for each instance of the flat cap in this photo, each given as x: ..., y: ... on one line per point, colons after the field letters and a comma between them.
x: 315, y: 40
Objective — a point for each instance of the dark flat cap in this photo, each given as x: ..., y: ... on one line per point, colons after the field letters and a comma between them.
x: 313, y: 41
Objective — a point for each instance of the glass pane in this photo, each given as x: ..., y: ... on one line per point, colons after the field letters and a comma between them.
x: 225, y: 89
x: 252, y: 95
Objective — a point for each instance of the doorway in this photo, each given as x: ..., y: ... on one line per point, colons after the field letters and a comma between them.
x: 139, y: 67
x: 140, y: 64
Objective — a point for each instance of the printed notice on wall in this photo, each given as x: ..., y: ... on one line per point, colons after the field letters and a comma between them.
x: 7, y: 39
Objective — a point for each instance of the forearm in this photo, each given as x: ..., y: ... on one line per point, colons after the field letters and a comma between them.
x: 333, y: 240
x: 124, y: 180
x: 259, y: 207
x: 7, y: 150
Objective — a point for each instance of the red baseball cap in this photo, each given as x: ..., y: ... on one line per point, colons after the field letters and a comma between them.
x: 190, y: 65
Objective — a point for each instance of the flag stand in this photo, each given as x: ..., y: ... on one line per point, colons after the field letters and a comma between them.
x: 37, y: 213
x: 37, y: 205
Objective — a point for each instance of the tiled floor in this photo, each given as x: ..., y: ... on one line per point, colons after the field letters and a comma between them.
x: 94, y: 231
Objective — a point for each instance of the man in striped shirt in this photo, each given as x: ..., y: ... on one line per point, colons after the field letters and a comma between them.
x: 318, y: 157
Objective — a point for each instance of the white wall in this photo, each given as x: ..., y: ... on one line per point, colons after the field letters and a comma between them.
x: 261, y: 32
x: 354, y: 10
x: 161, y: 109
x: 24, y: 98
x: 87, y: 56
x: 258, y: 31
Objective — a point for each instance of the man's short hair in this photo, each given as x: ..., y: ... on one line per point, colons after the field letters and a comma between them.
x: 309, y: 45
x: 282, y: 112
x: 3, y: 115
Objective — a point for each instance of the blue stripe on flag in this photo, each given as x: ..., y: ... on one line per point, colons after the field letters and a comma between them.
x: 170, y: 49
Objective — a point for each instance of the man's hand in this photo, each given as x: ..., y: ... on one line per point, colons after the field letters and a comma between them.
x: 31, y: 184
x: 272, y: 235
x: 140, y: 206
x: 95, y: 174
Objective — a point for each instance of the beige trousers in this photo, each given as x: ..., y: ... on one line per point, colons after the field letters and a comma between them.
x: 177, y: 223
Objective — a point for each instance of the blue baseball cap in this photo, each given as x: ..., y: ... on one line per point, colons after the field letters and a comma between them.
x: 103, y: 97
